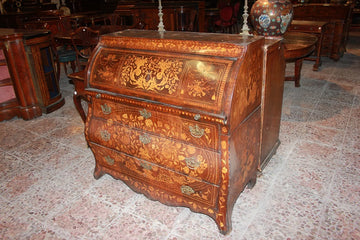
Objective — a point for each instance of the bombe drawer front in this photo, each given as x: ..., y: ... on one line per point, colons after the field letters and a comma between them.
x: 179, y: 156
x: 194, y: 132
x: 156, y: 176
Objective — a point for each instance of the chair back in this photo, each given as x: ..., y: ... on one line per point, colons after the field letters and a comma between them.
x: 226, y: 13
x: 84, y: 40
x: 115, y: 19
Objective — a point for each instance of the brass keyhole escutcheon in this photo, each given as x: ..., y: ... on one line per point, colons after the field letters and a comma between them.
x: 106, y: 109
x: 196, y: 131
x: 187, y: 190
x: 192, y: 162
x: 146, y: 166
x: 105, y: 135
x: 109, y: 160
x: 145, y: 139
x: 197, y: 117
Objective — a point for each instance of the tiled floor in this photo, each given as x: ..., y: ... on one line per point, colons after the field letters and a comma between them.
x: 309, y: 190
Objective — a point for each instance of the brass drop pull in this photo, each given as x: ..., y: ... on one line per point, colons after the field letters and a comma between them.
x: 109, y: 160
x: 98, y: 96
x: 145, y: 113
x: 146, y: 166
x: 145, y: 139
x: 105, y: 135
x: 106, y: 109
x: 187, y: 190
x: 196, y: 131
x: 192, y: 162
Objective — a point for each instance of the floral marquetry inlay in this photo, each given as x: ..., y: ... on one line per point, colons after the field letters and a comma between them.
x: 197, y: 81
x: 156, y: 74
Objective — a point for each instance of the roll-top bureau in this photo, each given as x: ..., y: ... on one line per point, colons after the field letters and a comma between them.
x: 177, y: 116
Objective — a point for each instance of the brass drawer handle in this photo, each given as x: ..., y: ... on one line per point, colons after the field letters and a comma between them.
x: 146, y: 166
x: 109, y: 160
x: 145, y: 113
x: 106, y: 109
x: 145, y: 139
x: 105, y: 135
x: 187, y: 190
x: 192, y: 162
x: 196, y: 131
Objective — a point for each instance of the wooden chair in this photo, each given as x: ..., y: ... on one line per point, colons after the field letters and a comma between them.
x: 235, y: 16
x: 84, y: 40
x: 115, y: 19
x: 226, y: 21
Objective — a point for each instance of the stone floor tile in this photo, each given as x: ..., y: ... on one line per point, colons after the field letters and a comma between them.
x: 262, y: 229
x: 345, y: 189
x: 323, y: 135
x: 329, y: 119
x: 196, y: 225
x: 156, y: 211
x: 339, y: 222
x: 132, y: 227
x: 316, y: 154
x: 292, y: 209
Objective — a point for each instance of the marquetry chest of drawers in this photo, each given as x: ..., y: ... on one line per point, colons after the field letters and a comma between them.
x: 177, y: 116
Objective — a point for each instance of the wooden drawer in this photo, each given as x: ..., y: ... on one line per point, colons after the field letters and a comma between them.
x: 194, y: 132
x: 305, y: 28
x: 156, y: 176
x: 181, y: 157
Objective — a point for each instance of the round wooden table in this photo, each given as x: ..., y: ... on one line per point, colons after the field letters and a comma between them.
x: 297, y: 46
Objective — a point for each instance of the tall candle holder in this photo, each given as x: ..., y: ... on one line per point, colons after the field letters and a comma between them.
x: 161, y: 24
x: 245, y: 28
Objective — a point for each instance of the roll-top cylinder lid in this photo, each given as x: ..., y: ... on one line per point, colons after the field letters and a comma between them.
x: 182, y: 69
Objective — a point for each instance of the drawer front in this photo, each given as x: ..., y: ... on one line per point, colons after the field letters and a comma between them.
x: 308, y: 29
x: 177, y: 184
x: 204, y: 135
x: 188, y: 159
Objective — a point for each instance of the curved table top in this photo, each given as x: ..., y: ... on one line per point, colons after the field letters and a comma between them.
x: 298, y: 45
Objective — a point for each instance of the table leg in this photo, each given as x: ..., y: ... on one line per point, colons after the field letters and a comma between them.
x: 318, y: 53
x: 296, y: 77
x: 298, y: 65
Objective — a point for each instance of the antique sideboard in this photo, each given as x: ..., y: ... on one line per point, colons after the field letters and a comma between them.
x: 178, y: 116
x: 30, y: 66
x: 336, y: 34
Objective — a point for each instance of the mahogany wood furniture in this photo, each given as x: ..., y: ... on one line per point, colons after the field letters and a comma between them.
x: 339, y: 17
x: 177, y: 116
x: 271, y: 98
x: 297, y: 46
x: 317, y: 28
x: 177, y: 15
x: 84, y: 40
x: 8, y: 101
x: 30, y: 62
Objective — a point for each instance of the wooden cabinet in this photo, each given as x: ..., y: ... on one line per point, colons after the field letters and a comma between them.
x: 30, y: 63
x: 177, y: 116
x: 8, y: 99
x: 271, y: 99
